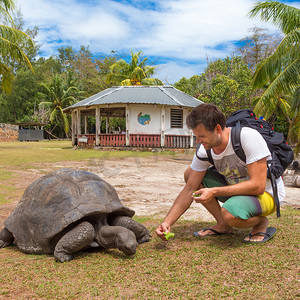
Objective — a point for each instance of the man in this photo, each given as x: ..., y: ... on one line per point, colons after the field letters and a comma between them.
x: 244, y: 188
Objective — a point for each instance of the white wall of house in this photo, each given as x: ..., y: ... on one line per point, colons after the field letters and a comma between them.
x: 141, y: 112
x: 154, y: 125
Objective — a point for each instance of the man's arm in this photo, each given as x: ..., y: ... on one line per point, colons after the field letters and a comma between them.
x: 182, y: 202
x: 254, y: 186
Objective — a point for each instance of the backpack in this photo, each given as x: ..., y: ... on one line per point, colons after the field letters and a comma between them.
x: 282, y: 154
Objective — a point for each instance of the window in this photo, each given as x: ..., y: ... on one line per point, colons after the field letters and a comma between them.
x: 176, y: 118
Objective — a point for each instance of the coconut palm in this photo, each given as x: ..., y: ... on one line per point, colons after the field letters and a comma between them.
x: 10, y: 39
x: 60, y: 95
x: 280, y: 72
x: 134, y: 73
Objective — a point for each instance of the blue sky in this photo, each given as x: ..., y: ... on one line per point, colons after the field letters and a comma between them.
x: 178, y: 36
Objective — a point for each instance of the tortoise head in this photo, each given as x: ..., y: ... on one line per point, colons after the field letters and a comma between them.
x: 126, y: 241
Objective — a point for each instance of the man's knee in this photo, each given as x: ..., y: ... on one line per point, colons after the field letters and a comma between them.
x: 228, y: 217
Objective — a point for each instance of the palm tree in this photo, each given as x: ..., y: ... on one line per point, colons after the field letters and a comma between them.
x: 10, y: 39
x: 280, y: 72
x: 134, y: 73
x: 59, y: 96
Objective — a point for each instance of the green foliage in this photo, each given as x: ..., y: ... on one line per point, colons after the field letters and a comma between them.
x: 280, y: 72
x: 11, y: 42
x: 90, y: 72
x: 225, y: 82
x: 59, y: 95
x: 191, y: 86
x: 23, y: 99
x: 134, y: 73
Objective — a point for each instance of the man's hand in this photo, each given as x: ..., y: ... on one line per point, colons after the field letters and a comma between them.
x: 163, y: 227
x: 204, y: 195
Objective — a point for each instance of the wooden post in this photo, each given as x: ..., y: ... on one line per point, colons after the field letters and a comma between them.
x: 98, y: 125
x: 73, y: 114
x: 163, y: 126
x: 85, y: 124
x: 192, y: 140
x: 127, y: 125
x: 78, y: 118
x: 107, y: 125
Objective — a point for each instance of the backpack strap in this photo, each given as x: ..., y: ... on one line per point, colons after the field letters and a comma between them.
x: 235, y: 136
x: 275, y: 189
x: 208, y: 158
x: 237, y: 147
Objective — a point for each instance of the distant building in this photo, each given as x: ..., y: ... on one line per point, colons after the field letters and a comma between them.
x: 155, y: 117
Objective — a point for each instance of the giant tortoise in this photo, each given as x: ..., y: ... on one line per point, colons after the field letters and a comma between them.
x: 67, y: 211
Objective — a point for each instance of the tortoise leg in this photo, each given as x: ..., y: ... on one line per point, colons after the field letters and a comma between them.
x: 6, y: 238
x: 73, y: 241
x: 117, y: 237
x: 141, y: 232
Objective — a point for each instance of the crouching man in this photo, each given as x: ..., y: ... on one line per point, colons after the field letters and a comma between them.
x: 242, y: 187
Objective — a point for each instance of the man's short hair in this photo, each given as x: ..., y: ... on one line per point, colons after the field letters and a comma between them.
x: 209, y: 115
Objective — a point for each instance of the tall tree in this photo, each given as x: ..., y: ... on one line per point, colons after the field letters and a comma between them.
x: 10, y: 49
x: 18, y: 106
x: 257, y: 46
x: 225, y: 82
x: 134, y: 73
x: 89, y: 70
x: 280, y: 72
x: 59, y: 95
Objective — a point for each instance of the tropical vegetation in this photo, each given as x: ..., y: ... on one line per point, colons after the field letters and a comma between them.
x: 11, y: 42
x: 136, y: 72
x: 225, y: 82
x: 279, y: 73
x: 60, y: 94
x: 263, y: 73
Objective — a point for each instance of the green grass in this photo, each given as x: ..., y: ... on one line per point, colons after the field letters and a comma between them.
x: 182, y: 268
x: 185, y: 267
x: 24, y: 154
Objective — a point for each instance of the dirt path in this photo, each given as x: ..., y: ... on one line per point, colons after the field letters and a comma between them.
x: 147, y: 185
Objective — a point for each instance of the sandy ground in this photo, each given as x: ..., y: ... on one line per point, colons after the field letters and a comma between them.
x: 147, y: 185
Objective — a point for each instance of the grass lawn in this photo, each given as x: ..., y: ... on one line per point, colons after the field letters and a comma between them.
x: 185, y: 267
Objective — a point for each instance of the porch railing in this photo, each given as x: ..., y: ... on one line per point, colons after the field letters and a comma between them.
x: 136, y: 140
x: 112, y: 140
x: 145, y: 140
x: 177, y: 141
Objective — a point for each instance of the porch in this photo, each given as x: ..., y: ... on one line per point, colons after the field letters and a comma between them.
x: 128, y: 116
x: 136, y: 140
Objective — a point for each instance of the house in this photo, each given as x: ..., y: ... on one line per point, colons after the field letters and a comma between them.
x: 155, y: 117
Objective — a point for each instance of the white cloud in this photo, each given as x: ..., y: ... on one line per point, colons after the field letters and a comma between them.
x: 188, y: 30
x: 172, y: 71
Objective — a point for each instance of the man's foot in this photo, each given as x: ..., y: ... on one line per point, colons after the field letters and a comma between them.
x: 215, y: 230
x: 255, y: 234
x: 270, y: 232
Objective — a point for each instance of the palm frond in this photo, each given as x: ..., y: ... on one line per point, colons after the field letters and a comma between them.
x: 287, y: 51
x: 151, y: 81
x: 53, y: 115
x: 286, y: 82
x: 7, y: 78
x: 46, y: 104
x: 9, y: 40
x: 294, y: 133
x: 138, y: 73
x: 65, y: 121
x: 5, y: 7
x: 285, y: 17
x: 126, y: 82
